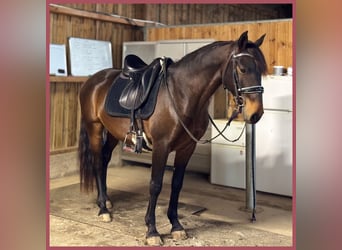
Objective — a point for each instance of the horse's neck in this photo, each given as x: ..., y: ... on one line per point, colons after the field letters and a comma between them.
x: 198, y: 81
x: 208, y: 70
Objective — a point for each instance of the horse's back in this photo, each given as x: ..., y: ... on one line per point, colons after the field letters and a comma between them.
x: 93, y: 92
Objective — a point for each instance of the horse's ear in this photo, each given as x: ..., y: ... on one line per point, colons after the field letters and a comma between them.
x: 260, y: 40
x: 243, y: 40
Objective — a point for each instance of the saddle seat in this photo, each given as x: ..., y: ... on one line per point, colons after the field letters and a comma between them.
x: 140, y: 78
x: 133, y: 63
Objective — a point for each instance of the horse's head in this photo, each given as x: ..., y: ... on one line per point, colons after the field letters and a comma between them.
x: 242, y: 77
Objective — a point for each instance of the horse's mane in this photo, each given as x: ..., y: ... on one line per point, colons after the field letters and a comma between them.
x: 199, y: 54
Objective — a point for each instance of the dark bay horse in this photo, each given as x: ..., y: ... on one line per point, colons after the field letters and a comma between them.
x: 183, y: 100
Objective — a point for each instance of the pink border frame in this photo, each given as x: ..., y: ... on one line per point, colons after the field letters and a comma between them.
x: 47, y: 100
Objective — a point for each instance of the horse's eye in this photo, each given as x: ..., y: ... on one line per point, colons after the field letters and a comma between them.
x: 241, y: 70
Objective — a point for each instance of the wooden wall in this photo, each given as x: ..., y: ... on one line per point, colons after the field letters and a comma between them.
x: 63, y: 26
x: 73, y: 24
x: 127, y: 10
x: 64, y: 113
x: 277, y: 46
x: 69, y: 22
x: 184, y: 14
x: 95, y: 21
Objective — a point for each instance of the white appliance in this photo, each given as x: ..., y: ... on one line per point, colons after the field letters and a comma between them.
x: 273, y: 144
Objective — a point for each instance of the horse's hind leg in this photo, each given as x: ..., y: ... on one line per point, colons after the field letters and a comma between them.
x: 181, y: 160
x: 107, y: 149
x: 102, y: 154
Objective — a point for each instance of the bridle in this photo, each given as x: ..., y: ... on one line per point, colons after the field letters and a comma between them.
x: 239, y: 99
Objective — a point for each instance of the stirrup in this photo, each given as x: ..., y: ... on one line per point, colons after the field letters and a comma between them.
x: 129, y: 144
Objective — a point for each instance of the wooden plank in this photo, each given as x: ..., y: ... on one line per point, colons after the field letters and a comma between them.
x: 52, y: 115
x: 104, y: 8
x: 92, y: 15
x: 67, y: 125
x: 191, y: 14
x: 78, y: 115
x: 63, y: 150
x: 81, y: 6
x: 171, y: 14
x: 220, y: 106
x: 64, y: 115
x: 116, y: 45
x: 183, y: 13
x: 70, y: 79
x: 71, y: 110
x: 59, y: 116
x: 178, y: 14
x: 163, y: 13
x: 198, y: 13
x: 151, y: 12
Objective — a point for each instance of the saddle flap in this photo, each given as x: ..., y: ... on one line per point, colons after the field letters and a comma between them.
x: 139, y: 86
x: 129, y: 96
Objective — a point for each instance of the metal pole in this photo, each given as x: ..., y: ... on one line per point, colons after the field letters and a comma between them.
x: 250, y: 169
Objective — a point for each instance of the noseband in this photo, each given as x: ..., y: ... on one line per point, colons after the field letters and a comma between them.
x: 242, y: 90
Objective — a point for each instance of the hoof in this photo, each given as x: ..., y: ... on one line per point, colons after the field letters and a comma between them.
x: 109, y: 204
x: 179, y: 235
x: 106, y: 217
x: 154, y: 241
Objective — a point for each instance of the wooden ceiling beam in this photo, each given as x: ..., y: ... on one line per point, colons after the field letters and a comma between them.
x: 93, y: 15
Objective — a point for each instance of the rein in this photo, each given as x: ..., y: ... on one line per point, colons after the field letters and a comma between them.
x: 220, y: 133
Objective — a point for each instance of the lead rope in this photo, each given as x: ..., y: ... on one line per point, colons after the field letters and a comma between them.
x: 220, y: 133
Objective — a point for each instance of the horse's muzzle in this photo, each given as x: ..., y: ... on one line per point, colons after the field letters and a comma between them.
x: 252, y: 110
x: 254, y: 118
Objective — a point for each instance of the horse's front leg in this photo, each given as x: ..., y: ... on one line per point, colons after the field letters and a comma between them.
x: 181, y: 160
x: 159, y: 158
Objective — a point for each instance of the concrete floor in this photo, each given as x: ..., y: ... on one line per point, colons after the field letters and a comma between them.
x: 212, y: 215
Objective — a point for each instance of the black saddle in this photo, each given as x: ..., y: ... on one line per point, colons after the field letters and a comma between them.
x: 134, y: 92
x: 140, y: 80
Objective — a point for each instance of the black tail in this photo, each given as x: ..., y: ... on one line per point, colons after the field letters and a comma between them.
x: 86, y: 161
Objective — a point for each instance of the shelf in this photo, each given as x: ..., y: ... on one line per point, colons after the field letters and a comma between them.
x: 68, y: 78
x: 53, y: 8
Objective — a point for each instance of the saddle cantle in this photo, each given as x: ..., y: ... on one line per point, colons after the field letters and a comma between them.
x: 133, y: 63
x: 141, y: 78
